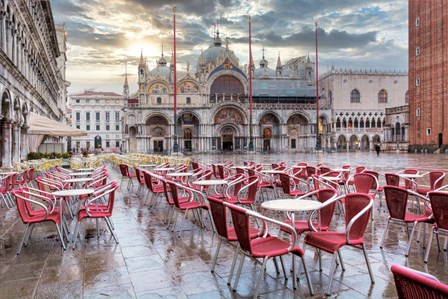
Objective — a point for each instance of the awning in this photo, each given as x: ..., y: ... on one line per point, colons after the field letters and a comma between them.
x: 41, y: 125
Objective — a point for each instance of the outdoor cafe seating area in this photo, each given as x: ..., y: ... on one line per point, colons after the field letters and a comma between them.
x: 275, y: 229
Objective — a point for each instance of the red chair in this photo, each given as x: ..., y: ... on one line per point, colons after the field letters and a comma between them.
x: 291, y: 185
x: 439, y: 205
x: 5, y: 189
x: 140, y: 179
x: 33, y: 209
x: 326, y: 196
x: 436, y: 178
x: 357, y: 209
x: 126, y: 174
x: 412, y: 284
x: 195, y: 202
x: 265, y: 247
x: 224, y: 231
x: 350, y: 181
x: 96, y: 208
x: 397, y: 204
x: 232, y: 189
x: 155, y: 187
x: 393, y: 179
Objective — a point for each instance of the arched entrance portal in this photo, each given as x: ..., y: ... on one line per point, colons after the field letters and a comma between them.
x: 132, y: 139
x: 365, y: 144
x: 354, y: 143
x: 227, y: 137
x: 267, y: 135
x: 342, y: 142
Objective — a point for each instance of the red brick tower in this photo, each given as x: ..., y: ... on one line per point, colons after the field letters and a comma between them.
x: 428, y: 74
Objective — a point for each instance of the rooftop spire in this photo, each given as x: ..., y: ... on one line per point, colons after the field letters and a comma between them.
x: 126, y: 76
x: 142, y: 61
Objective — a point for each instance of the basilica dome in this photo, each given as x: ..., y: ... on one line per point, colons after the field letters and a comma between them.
x: 161, y: 70
x: 263, y: 71
x: 215, y: 55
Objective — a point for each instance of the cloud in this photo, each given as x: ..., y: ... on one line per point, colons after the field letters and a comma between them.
x: 104, y: 35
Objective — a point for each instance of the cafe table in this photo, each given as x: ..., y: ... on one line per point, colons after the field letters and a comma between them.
x: 208, y: 183
x: 72, y: 193
x: 293, y: 206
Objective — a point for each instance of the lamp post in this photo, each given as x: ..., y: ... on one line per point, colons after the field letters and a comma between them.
x: 175, y: 145
x: 251, y: 137
x: 318, y: 146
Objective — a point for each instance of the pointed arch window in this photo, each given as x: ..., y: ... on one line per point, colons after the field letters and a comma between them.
x: 159, y: 101
x: 382, y: 96
x: 355, y: 96
x: 406, y: 97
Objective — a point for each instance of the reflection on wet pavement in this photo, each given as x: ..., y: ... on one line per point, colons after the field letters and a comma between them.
x: 153, y: 262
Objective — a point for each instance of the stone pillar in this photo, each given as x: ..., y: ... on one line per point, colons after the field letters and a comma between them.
x: 6, y: 158
x: 17, y: 144
x: 24, y: 143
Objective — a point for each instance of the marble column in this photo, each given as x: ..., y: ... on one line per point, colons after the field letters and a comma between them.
x: 6, y: 157
x: 17, y: 144
x: 24, y: 143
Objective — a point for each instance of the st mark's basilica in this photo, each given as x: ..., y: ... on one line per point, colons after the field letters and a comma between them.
x: 213, y: 105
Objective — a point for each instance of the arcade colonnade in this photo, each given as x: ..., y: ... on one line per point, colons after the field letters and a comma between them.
x: 226, y: 128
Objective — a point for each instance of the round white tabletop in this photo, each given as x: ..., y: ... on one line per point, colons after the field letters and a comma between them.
x: 148, y: 165
x: 77, y: 180
x: 291, y: 205
x: 410, y: 175
x: 273, y: 171
x: 163, y: 169
x: 84, y: 169
x: 209, y: 182
x: 330, y: 178
x: 180, y: 174
x: 81, y: 173
x: 8, y: 172
x: 73, y: 192
x: 341, y: 169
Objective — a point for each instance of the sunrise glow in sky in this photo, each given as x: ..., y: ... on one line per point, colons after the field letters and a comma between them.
x: 102, y: 36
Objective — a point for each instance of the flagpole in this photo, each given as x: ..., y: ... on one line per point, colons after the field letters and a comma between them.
x: 251, y: 137
x: 175, y: 145
x: 318, y: 141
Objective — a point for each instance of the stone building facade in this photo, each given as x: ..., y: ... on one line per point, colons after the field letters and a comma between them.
x: 358, y: 99
x: 99, y: 114
x: 428, y: 78
x: 32, y: 73
x: 213, y: 105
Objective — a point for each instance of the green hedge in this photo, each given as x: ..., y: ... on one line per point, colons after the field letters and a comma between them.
x: 53, y: 155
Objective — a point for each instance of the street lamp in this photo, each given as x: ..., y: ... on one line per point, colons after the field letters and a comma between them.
x: 318, y: 145
x: 175, y: 145
x: 251, y: 137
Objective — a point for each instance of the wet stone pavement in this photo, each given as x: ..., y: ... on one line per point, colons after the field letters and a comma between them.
x: 153, y: 262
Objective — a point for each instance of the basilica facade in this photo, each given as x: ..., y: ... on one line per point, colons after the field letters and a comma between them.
x: 213, y: 106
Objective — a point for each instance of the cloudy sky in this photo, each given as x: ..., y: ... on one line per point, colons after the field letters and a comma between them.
x: 104, y: 35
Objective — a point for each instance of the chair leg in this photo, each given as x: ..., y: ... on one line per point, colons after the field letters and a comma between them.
x: 428, y: 248
x: 340, y: 259
x: 75, y: 234
x: 410, y: 239
x: 331, y: 274
x: 215, y: 258
x: 232, y: 268
x: 60, y: 235
x: 238, y: 273
x: 23, y: 239
x: 308, y: 280
x: 366, y: 257
x: 384, y: 234
x: 111, y: 230
x: 260, y: 276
